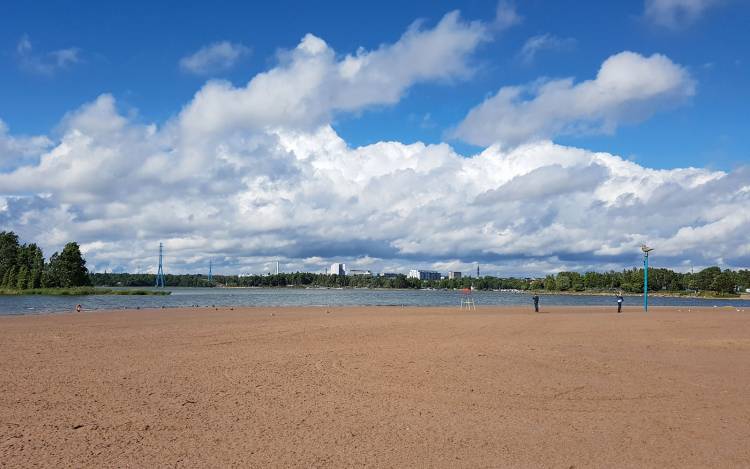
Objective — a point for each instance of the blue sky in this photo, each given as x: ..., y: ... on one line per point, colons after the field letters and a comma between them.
x: 132, y: 50
x: 90, y: 82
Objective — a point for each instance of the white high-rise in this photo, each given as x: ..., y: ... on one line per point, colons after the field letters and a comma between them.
x: 338, y: 269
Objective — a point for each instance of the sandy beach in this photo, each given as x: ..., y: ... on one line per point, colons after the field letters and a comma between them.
x: 378, y: 387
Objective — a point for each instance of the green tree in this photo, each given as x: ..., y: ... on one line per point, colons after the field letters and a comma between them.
x: 37, y: 267
x: 67, y: 269
x: 51, y: 277
x: 705, y: 278
x: 4, y: 280
x: 8, y: 256
x: 9, y: 281
x: 723, y: 282
x: 743, y: 278
x: 593, y: 280
x: 576, y: 281
x: 563, y: 282
x: 22, y: 279
x: 537, y: 284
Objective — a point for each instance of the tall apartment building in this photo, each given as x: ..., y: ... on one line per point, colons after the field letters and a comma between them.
x: 454, y: 275
x: 338, y: 269
x: 424, y: 274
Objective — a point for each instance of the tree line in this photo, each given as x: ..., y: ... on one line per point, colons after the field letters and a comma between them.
x: 629, y: 281
x: 23, y: 266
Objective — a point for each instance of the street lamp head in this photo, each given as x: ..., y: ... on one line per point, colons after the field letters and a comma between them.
x: 646, y: 249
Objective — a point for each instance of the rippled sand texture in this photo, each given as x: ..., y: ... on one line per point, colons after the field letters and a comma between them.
x: 385, y: 387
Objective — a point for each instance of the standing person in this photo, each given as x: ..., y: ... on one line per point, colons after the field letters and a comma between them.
x: 619, y: 302
x: 78, y: 308
x: 536, y: 303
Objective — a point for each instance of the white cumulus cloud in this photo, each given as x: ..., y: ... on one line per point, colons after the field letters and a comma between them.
x: 213, y: 58
x: 506, y: 15
x: 45, y: 63
x: 676, y: 13
x: 536, y: 44
x: 628, y: 88
x: 311, y: 82
x: 308, y: 198
x: 17, y: 151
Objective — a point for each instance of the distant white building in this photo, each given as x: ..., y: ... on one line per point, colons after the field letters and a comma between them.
x: 359, y: 272
x: 424, y: 274
x: 338, y: 269
x: 454, y: 275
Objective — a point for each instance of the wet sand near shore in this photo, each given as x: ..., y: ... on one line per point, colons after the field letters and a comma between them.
x: 376, y: 386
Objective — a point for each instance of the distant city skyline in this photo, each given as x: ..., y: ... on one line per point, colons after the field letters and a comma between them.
x: 528, y: 137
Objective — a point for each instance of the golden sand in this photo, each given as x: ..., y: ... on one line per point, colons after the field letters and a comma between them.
x: 376, y: 386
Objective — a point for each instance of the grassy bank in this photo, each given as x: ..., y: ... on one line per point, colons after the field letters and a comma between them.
x: 79, y: 291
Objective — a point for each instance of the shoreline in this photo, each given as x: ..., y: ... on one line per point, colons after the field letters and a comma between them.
x: 81, y: 291
x: 739, y: 296
x: 484, y: 309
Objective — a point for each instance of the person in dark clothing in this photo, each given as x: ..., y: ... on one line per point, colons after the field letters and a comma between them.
x: 619, y: 302
x: 536, y: 303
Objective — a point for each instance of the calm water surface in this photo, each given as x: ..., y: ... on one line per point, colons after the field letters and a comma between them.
x: 33, y: 304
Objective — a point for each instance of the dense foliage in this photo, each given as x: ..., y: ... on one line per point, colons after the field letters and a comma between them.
x: 630, y: 281
x: 22, y: 266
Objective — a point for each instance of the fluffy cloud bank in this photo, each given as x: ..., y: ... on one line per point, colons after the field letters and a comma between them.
x: 628, y: 88
x: 246, y: 175
x: 308, y: 198
x: 311, y: 83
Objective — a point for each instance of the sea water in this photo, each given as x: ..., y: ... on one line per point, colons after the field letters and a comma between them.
x: 239, y: 297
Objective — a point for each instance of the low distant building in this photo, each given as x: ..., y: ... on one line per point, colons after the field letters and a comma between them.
x: 424, y: 274
x: 388, y: 275
x: 454, y: 275
x: 338, y: 269
x: 366, y: 273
